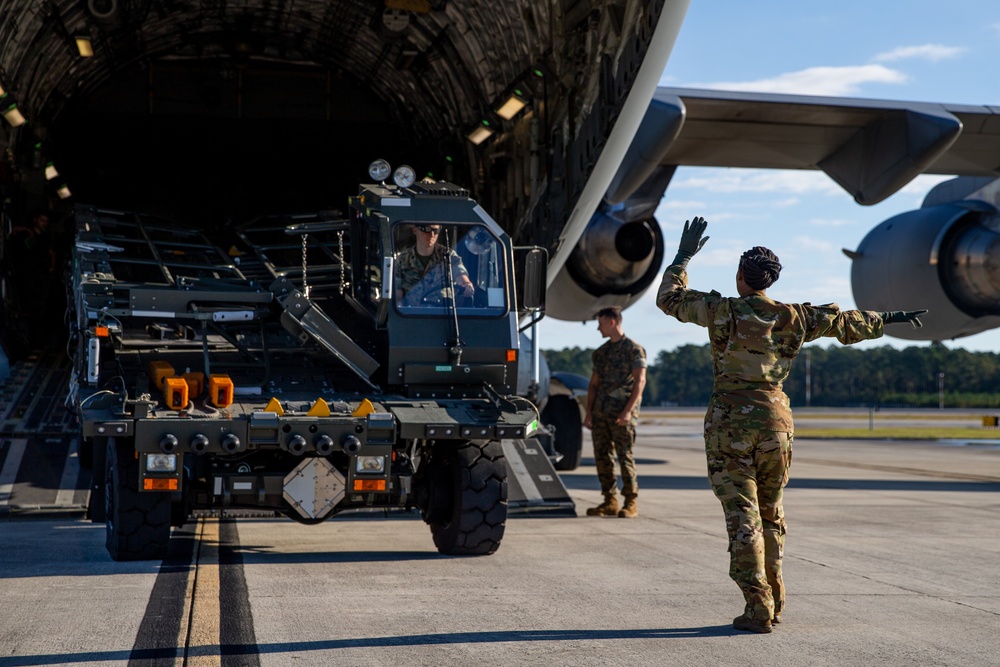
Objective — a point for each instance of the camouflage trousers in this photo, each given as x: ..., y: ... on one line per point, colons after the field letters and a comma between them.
x: 611, y: 439
x: 748, y: 471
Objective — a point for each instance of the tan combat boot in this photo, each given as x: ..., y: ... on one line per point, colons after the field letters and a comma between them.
x: 630, y: 511
x: 608, y: 508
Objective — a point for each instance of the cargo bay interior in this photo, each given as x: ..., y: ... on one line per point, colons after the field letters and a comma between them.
x: 211, y: 112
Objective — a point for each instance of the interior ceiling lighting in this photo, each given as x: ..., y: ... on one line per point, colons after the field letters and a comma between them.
x: 64, y: 192
x: 512, y: 106
x: 50, y: 171
x: 481, y: 133
x: 84, y: 46
x: 14, y: 116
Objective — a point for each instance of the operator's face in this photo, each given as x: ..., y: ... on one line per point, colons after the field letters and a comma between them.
x: 427, y: 235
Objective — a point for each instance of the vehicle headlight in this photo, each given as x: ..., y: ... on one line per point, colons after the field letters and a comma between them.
x: 370, y: 464
x: 404, y: 176
x: 161, y: 463
x: 379, y: 170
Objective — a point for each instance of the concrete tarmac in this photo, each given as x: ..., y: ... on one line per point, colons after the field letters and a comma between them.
x: 891, y: 559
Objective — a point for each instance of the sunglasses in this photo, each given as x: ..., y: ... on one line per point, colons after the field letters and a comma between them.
x: 427, y: 229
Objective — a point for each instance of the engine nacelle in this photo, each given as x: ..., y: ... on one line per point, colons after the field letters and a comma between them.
x: 944, y: 258
x: 613, y: 264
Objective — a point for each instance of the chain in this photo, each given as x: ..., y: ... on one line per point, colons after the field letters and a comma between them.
x: 305, y: 266
x: 340, y: 249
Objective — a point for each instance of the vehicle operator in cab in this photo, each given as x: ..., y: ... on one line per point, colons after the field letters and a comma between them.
x: 420, y: 275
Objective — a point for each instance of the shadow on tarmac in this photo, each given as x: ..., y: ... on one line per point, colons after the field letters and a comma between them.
x: 370, y: 642
x: 588, y: 482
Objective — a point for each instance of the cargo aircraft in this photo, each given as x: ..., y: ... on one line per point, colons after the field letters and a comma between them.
x: 214, y: 112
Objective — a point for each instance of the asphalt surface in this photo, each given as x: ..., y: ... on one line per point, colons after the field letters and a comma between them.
x: 891, y: 559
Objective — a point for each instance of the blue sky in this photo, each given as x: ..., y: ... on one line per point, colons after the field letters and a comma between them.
x: 890, y: 50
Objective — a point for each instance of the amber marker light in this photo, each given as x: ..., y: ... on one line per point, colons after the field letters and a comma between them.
x: 102, y: 332
x: 369, y: 485
x: 511, y: 355
x: 149, y: 484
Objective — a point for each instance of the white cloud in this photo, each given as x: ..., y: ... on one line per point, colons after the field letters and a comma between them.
x: 813, y: 244
x: 832, y: 81
x: 759, y: 180
x: 931, y: 52
x: 675, y: 204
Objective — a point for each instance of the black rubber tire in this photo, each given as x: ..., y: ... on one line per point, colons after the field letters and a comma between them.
x: 563, y: 413
x: 468, y: 508
x: 97, y: 505
x: 85, y: 453
x: 138, y: 524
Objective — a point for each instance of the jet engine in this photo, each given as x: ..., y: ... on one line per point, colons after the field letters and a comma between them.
x: 945, y: 258
x: 612, y: 265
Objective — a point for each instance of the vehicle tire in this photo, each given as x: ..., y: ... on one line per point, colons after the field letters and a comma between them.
x: 85, y: 453
x: 138, y: 524
x: 563, y: 413
x: 467, y: 512
x: 97, y: 505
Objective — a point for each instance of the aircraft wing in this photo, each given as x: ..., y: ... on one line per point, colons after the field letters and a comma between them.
x: 871, y: 148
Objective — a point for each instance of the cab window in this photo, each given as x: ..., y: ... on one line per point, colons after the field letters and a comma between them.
x: 438, y: 265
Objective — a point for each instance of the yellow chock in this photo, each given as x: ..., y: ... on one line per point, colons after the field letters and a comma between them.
x: 364, y: 408
x: 274, y: 405
x: 319, y: 409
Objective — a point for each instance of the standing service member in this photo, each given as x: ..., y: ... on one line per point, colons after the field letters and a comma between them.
x: 748, y: 426
x: 613, y: 399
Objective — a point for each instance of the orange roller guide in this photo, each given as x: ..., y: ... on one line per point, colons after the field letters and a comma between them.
x: 175, y: 392
x: 220, y: 390
x: 195, y: 382
x: 158, y: 371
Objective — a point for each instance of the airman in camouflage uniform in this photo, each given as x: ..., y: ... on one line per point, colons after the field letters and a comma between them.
x: 420, y: 274
x: 748, y: 426
x: 613, y: 399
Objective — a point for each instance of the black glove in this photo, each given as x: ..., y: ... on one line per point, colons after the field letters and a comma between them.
x: 691, y: 240
x: 899, y: 316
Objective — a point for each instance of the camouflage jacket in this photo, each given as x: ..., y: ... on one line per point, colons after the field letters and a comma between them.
x: 426, y: 284
x: 753, y: 341
x: 613, y: 365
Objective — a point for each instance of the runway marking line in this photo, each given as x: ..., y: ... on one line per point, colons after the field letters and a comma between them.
x: 201, y: 634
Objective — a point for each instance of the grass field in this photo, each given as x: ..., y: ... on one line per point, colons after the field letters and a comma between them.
x: 861, y: 423
x: 900, y: 433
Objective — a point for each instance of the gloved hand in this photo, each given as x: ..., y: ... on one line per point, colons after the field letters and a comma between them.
x: 899, y: 316
x: 691, y: 240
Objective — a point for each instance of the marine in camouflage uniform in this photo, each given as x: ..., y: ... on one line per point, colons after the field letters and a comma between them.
x: 613, y: 400
x: 748, y: 425
x: 422, y: 278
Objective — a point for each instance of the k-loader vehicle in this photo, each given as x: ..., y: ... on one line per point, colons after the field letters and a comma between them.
x: 287, y: 366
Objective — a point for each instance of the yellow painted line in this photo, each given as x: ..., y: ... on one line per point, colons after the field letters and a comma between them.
x: 203, y: 636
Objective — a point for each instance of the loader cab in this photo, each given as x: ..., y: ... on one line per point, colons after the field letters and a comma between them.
x: 435, y: 272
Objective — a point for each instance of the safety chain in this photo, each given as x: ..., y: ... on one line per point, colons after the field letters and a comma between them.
x: 305, y: 266
x: 340, y: 250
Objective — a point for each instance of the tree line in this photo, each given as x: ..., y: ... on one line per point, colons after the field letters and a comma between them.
x: 838, y: 376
